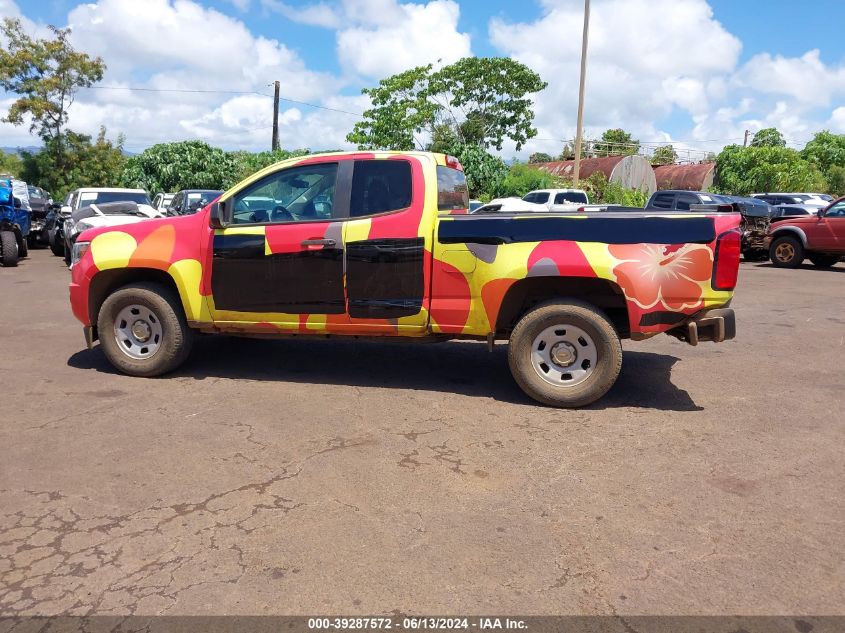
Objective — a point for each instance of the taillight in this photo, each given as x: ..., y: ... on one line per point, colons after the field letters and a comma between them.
x: 726, y: 260
x: 453, y: 162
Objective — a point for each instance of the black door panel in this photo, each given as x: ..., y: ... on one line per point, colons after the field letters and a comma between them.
x: 384, y: 277
x: 247, y: 280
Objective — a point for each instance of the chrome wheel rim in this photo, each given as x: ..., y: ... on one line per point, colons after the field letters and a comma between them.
x: 138, y: 333
x: 784, y: 252
x: 564, y: 355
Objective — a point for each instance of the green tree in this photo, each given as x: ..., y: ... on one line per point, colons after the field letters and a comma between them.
x: 86, y: 163
x: 181, y: 165
x: 664, y: 155
x: 483, y: 101
x: 836, y: 180
x: 46, y: 74
x: 826, y: 152
x: 616, y: 142
x: 521, y: 178
x: 10, y: 164
x: 484, y: 171
x: 244, y: 164
x: 768, y: 137
x: 540, y: 157
x: 743, y: 170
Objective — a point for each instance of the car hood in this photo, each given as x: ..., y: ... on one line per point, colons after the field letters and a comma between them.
x: 101, y: 221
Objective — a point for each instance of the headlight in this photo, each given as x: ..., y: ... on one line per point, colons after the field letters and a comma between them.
x: 79, y: 249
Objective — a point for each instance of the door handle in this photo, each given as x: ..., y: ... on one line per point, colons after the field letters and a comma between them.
x: 318, y: 242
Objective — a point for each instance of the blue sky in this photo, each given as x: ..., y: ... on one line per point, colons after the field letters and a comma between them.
x: 693, y: 72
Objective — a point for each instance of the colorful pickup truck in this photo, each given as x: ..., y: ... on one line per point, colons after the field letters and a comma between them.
x: 379, y: 244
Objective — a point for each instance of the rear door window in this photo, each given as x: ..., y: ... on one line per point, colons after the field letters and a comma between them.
x: 452, y: 192
x: 663, y: 200
x: 380, y: 186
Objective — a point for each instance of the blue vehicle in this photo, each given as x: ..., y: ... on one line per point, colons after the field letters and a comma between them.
x: 14, y: 225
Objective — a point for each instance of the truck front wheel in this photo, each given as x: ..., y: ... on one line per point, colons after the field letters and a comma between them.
x: 565, y: 353
x: 8, y: 248
x: 786, y: 252
x: 142, y: 330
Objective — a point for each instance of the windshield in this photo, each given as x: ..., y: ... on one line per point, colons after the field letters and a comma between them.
x: 102, y: 197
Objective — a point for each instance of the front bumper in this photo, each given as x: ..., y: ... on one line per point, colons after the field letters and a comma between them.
x: 716, y: 325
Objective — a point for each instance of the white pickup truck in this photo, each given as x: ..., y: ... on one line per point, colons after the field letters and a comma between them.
x: 558, y: 199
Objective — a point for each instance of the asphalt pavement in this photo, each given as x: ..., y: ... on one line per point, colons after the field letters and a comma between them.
x: 315, y: 477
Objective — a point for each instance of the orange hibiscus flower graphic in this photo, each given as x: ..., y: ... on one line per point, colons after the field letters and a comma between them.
x: 652, y: 274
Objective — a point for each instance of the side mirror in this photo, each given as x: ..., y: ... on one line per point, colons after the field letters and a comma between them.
x: 17, y: 203
x: 221, y: 214
x: 54, y: 206
x: 820, y: 213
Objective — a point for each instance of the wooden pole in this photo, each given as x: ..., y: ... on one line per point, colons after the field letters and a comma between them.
x: 275, y: 145
x: 576, y: 175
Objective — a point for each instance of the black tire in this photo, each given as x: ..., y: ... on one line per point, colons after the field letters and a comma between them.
x: 8, y: 248
x: 823, y: 261
x: 176, y: 338
x: 32, y: 240
x: 786, y: 252
x: 57, y: 248
x: 23, y: 248
x: 574, y: 313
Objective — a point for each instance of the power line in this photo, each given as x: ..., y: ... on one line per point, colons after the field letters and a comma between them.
x: 225, y: 92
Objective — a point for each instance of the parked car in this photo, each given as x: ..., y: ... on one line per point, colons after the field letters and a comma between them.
x: 755, y: 214
x: 14, y: 224
x: 786, y: 211
x: 190, y: 201
x: 368, y: 257
x: 83, y: 197
x: 162, y: 201
x: 510, y: 205
x: 558, y: 199
x: 819, y: 237
x: 106, y: 214
x: 15, y: 220
x: 39, y: 202
x: 811, y: 199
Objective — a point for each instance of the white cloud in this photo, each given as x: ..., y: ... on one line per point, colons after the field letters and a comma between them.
x: 638, y: 68
x: 319, y: 14
x: 388, y: 37
x: 805, y: 79
x: 837, y: 120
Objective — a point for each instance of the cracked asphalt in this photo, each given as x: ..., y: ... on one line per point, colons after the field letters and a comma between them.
x: 316, y: 477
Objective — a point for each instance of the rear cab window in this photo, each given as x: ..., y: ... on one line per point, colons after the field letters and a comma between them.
x: 452, y: 191
x: 663, y: 200
x: 570, y: 196
x: 380, y: 186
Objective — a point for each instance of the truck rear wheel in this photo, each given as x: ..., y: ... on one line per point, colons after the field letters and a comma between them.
x: 8, y: 248
x: 565, y: 353
x: 786, y: 252
x: 142, y: 330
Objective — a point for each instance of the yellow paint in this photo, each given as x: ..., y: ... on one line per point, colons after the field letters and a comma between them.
x: 356, y: 230
x: 112, y: 249
x: 316, y: 322
x: 187, y: 273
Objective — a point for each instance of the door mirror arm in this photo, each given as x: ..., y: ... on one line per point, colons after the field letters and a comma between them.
x: 221, y: 214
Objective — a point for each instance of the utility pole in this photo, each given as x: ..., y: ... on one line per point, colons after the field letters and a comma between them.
x: 745, y: 143
x: 276, y: 116
x: 576, y: 174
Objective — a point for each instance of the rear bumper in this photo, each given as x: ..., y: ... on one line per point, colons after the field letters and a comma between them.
x: 716, y: 325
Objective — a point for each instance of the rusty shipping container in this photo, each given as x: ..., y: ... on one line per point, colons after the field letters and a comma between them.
x: 632, y: 172
x: 698, y: 177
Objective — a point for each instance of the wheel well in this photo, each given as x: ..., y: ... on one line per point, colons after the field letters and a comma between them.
x: 526, y: 293
x: 106, y: 282
x: 789, y: 232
